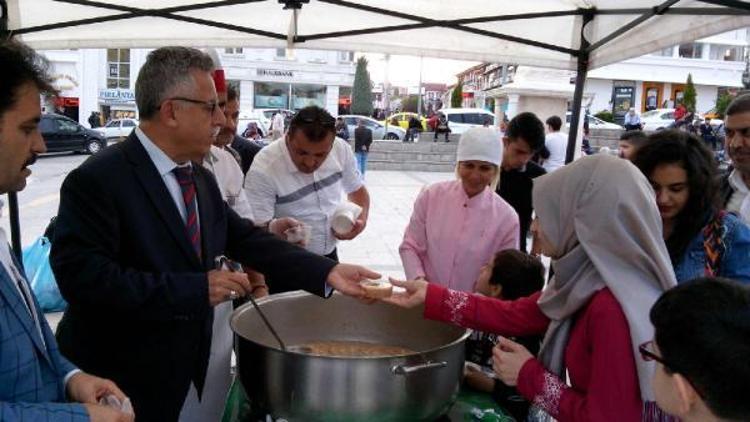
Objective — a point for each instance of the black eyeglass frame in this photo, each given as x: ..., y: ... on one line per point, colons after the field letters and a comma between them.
x: 209, y: 106
x: 647, y: 355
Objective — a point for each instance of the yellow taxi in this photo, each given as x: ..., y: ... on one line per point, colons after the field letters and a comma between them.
x: 403, y: 119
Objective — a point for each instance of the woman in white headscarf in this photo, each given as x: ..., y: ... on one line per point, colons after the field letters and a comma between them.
x: 457, y: 226
x: 599, y: 224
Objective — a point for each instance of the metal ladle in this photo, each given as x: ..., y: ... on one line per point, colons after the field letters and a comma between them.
x: 235, y: 267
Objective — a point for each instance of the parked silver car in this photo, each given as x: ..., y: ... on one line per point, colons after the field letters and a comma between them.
x: 394, y: 133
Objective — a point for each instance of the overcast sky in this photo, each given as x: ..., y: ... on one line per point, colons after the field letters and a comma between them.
x: 404, y: 70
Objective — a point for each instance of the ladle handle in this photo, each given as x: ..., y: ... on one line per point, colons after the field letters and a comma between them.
x: 411, y: 369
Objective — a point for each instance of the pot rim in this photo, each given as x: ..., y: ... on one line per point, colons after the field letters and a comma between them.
x: 300, y: 293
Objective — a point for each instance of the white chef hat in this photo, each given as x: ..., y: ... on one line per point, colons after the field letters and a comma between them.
x: 480, y: 144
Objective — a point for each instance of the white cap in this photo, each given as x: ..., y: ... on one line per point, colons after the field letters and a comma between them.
x: 480, y: 144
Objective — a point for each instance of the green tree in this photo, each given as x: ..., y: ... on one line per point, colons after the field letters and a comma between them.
x: 362, y: 90
x: 457, y: 96
x: 722, y: 103
x: 410, y: 103
x: 689, y: 95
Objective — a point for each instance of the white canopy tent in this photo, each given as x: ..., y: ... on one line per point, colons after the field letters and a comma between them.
x: 564, y: 34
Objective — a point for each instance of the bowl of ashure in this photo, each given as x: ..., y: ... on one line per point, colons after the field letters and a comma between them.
x: 345, y: 360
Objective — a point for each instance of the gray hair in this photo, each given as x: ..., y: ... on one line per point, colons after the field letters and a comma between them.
x: 166, y: 70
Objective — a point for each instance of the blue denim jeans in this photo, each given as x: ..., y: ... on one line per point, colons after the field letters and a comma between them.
x: 361, y: 162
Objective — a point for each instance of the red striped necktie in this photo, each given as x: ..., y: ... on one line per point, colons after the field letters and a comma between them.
x: 187, y: 185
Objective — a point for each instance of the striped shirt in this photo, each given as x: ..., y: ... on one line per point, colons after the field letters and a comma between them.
x: 276, y: 188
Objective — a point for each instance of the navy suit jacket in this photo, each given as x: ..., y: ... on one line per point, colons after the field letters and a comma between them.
x: 138, y: 310
x: 31, y: 370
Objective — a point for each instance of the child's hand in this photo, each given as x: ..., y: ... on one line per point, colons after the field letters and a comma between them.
x: 415, y: 294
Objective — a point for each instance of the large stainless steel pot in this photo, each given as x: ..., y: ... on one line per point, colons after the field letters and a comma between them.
x: 301, y: 387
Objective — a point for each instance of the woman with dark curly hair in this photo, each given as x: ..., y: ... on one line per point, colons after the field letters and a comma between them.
x: 702, y: 239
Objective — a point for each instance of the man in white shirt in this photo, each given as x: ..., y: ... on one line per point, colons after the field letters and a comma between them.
x: 556, y: 143
x: 306, y: 177
x: 736, y: 185
x: 35, y: 377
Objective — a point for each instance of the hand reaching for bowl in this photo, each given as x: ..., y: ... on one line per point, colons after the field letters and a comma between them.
x: 415, y: 294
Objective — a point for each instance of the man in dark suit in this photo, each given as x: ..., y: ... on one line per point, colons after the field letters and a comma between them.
x: 34, y: 377
x: 138, y: 230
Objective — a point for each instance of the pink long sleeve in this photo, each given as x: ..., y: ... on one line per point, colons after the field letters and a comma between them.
x: 600, y: 362
x: 413, y: 249
x: 520, y: 317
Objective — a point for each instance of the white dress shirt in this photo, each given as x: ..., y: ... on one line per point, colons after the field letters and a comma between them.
x: 739, y: 202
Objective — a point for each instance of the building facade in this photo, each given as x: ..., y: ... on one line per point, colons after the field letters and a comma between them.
x: 103, y: 80
x: 657, y: 80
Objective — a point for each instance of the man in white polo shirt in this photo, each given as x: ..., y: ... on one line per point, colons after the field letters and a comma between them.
x: 306, y: 177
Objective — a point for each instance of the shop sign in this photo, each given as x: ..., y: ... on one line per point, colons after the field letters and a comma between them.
x: 117, y: 95
x: 275, y: 73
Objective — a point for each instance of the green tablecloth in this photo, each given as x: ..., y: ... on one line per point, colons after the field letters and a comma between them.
x: 470, y: 406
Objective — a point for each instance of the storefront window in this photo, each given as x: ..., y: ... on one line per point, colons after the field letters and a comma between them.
x: 271, y: 95
x: 304, y: 95
x: 118, y: 68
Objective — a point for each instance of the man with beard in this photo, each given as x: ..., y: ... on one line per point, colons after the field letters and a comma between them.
x: 735, y: 186
x: 246, y: 149
x: 34, y: 377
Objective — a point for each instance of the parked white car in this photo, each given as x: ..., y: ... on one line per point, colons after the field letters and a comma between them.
x: 117, y: 128
x: 658, y: 119
x: 462, y: 119
x: 595, y: 123
x: 378, y: 130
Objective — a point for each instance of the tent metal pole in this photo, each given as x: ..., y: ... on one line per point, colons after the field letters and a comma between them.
x: 737, y: 4
x: 582, y: 70
x: 657, y: 10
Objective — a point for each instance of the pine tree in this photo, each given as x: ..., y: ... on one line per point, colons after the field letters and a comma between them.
x: 688, y: 97
x: 457, y: 96
x: 362, y: 90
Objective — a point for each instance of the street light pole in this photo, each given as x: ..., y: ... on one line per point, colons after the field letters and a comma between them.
x: 419, y: 90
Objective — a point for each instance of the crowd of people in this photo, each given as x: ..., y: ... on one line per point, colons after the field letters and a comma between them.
x: 648, y: 279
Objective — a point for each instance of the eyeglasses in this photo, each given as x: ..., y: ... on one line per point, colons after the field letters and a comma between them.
x: 649, y: 355
x: 209, y: 106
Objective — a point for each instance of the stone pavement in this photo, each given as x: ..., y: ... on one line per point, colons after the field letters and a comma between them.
x: 392, y: 195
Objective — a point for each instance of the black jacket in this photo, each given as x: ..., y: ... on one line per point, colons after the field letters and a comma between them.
x: 515, y: 188
x: 138, y: 299
x: 247, y: 150
x: 362, y: 139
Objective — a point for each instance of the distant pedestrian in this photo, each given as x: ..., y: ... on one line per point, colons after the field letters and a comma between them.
x: 94, y: 120
x: 277, y: 126
x: 556, y: 143
x: 632, y: 120
x: 412, y: 132
x: 362, y: 142
x: 442, y: 127
x: 342, y: 131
